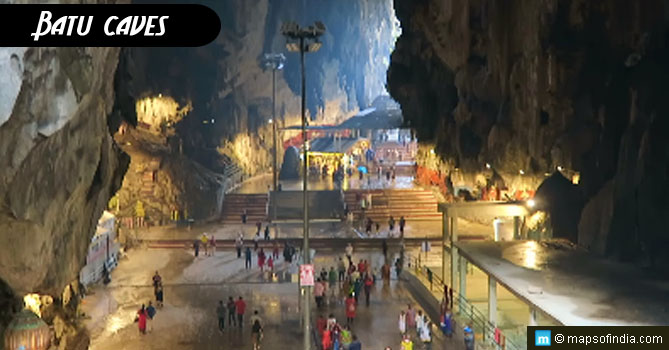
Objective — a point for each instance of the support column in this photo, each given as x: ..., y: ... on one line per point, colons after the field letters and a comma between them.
x: 533, y: 317
x: 492, y: 300
x: 444, y: 249
x: 462, y: 277
x: 454, y: 251
x: 516, y: 227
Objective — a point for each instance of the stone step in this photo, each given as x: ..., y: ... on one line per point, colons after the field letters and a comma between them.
x: 242, y: 206
x: 239, y: 212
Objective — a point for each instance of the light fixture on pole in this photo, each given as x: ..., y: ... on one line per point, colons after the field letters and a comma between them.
x: 274, y: 61
x: 304, y: 39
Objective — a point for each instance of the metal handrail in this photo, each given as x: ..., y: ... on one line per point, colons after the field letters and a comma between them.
x: 466, y: 309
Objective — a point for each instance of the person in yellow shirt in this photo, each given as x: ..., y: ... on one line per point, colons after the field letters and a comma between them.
x: 205, y: 240
x: 406, y: 344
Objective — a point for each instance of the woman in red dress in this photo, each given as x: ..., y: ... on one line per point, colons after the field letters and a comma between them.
x: 261, y: 259
x: 326, y: 340
x: 350, y: 310
x: 141, y: 320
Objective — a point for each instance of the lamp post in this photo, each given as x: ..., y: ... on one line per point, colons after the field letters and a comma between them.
x: 274, y: 61
x: 302, y: 40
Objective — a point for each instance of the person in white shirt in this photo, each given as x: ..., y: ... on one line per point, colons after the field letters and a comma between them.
x: 420, y: 321
x: 424, y: 335
x: 331, y: 323
x: 402, y: 323
x: 256, y: 238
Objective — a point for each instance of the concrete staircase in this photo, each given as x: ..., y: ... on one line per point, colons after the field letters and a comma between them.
x: 413, y: 204
x: 235, y: 203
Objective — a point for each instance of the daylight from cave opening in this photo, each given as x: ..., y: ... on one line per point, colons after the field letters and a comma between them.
x: 471, y: 168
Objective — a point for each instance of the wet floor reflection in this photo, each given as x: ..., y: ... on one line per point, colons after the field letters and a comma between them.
x: 527, y: 254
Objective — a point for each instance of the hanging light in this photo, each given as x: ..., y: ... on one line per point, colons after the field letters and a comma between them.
x: 33, y: 302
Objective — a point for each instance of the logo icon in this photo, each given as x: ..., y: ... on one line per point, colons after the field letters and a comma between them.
x: 542, y: 338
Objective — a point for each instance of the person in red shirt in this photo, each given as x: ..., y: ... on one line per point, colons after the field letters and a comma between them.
x: 240, y: 307
x: 141, y: 320
x: 326, y: 340
x: 350, y: 310
x: 261, y: 259
x: 361, y: 267
x: 369, y: 282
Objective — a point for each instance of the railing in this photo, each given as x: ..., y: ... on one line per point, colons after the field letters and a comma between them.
x: 465, y: 310
x: 234, y: 176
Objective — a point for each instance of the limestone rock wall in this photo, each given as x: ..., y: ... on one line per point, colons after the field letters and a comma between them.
x: 59, y: 165
x: 533, y: 85
x: 164, y: 180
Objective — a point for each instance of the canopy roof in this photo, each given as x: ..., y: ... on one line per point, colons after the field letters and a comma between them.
x: 370, y: 118
x: 328, y: 145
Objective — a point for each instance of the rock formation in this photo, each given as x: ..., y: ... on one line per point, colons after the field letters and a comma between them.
x: 59, y: 163
x: 534, y: 85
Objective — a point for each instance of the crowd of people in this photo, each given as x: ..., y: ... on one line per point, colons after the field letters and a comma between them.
x: 374, y: 228
x: 412, y: 321
x: 344, y: 284
x: 334, y: 336
x: 265, y: 260
x: 340, y: 285
x: 205, y: 242
x: 233, y: 311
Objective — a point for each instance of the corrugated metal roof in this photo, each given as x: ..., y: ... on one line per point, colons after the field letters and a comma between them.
x: 327, y: 145
x: 367, y: 119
